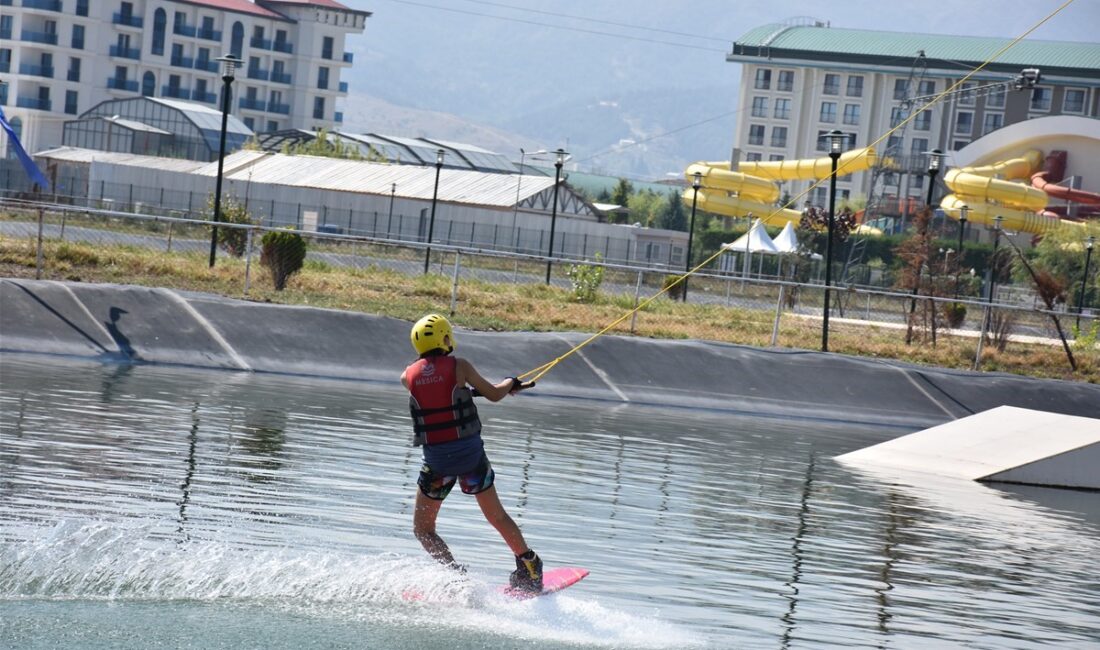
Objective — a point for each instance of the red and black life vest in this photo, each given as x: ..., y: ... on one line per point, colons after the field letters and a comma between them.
x: 441, y: 410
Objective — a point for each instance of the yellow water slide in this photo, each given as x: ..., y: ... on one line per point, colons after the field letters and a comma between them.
x: 1002, y: 189
x: 752, y: 189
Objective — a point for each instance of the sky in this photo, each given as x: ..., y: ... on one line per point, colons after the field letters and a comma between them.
x: 551, y: 71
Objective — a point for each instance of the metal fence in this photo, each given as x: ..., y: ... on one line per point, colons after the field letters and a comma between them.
x: 781, y: 312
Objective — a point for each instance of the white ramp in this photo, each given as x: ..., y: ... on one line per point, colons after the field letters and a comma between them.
x: 1006, y: 444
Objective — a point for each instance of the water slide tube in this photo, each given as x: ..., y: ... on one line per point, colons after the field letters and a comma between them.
x: 752, y: 189
x: 1021, y: 205
x: 1054, y: 170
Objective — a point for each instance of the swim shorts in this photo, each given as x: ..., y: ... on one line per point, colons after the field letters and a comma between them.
x: 438, y: 487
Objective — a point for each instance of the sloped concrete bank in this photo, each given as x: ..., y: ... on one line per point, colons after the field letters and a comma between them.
x: 127, y: 324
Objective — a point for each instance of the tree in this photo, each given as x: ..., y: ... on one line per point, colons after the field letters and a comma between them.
x: 284, y: 253
x: 673, y: 217
x: 232, y: 240
x: 621, y: 194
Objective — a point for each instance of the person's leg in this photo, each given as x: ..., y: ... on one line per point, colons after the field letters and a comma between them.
x: 424, y: 516
x: 495, y: 514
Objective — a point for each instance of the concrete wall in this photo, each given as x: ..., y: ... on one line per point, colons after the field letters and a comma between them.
x: 126, y: 324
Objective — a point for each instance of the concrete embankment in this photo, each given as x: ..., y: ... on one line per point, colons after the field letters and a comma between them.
x: 127, y: 324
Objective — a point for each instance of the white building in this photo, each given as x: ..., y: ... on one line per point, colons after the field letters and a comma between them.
x: 801, y: 80
x: 60, y: 58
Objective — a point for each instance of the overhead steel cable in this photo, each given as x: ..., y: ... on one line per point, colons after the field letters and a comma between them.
x: 537, y: 373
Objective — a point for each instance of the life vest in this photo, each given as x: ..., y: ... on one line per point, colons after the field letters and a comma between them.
x: 441, y: 410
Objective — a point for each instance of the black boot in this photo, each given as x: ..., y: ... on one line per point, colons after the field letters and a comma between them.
x: 528, y: 574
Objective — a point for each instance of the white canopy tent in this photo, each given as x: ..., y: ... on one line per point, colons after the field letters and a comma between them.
x: 787, y: 241
x: 756, y: 240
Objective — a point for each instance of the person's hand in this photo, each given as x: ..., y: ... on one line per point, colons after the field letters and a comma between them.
x: 518, y: 385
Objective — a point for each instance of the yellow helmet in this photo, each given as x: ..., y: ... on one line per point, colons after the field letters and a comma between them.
x: 428, y: 334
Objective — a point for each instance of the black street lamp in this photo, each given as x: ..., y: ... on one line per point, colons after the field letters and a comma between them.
x: 435, y: 197
x: 1084, y: 279
x: 696, y: 183
x: 964, y: 210
x: 836, y: 142
x: 389, y: 219
x: 935, y: 161
x: 558, y: 162
x: 229, y: 67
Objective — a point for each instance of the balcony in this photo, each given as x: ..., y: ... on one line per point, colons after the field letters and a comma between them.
x: 184, y: 30
x: 36, y: 70
x: 210, y: 34
x: 122, y: 84
x: 348, y: 57
x: 206, y: 64
x: 126, y: 52
x: 284, y: 109
x: 252, y: 104
x: 74, y: 75
x: 46, y: 5
x: 256, y: 73
x: 35, y: 103
x: 260, y: 43
x: 209, y: 98
x: 182, y: 62
x: 38, y: 37
x: 280, y: 78
x: 175, y: 92
x: 344, y: 87
x: 284, y: 47
x: 127, y: 20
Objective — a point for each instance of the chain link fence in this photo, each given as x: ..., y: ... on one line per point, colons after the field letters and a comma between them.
x: 59, y: 240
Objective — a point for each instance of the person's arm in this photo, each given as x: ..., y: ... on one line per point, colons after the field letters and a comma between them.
x: 404, y: 381
x: 467, y: 374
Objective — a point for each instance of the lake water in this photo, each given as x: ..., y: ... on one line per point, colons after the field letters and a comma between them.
x: 146, y: 507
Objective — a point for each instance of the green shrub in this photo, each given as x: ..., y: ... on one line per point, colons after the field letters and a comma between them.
x: 586, y: 279
x: 675, y: 288
x: 232, y: 240
x: 284, y: 252
x: 954, y: 314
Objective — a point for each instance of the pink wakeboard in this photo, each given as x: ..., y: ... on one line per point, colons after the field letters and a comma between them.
x: 552, y: 580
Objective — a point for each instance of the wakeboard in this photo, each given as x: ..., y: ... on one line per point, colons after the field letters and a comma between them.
x: 553, y: 580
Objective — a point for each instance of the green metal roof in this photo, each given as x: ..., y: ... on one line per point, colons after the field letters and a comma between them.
x: 900, y: 48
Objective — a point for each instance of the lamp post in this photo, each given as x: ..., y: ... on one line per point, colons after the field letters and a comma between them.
x: 519, y: 180
x: 435, y: 197
x: 1084, y: 279
x: 964, y: 210
x: 696, y: 183
x: 229, y: 67
x: 389, y: 219
x: 836, y: 141
x: 935, y: 162
x: 558, y: 162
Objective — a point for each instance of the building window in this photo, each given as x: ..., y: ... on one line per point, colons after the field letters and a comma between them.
x: 318, y: 108
x: 756, y: 134
x: 851, y: 114
x: 322, y: 78
x: 849, y: 140
x: 759, y: 106
x: 6, y: 23
x: 1040, y: 99
x: 78, y: 37
x: 148, y: 84
x: 832, y: 84
x: 828, y: 112
x: 893, y: 143
x: 918, y: 146
x: 958, y: 144
x: 966, y: 94
x: 236, y: 41
x: 763, y: 79
x: 326, y: 48
x: 995, y: 98
x: 121, y: 72
x: 923, y: 121
x: 70, y: 102
x: 785, y: 82
x: 776, y: 157
x: 200, y: 90
x: 272, y: 125
x: 779, y: 136
x: 992, y: 122
x: 926, y: 87
x: 81, y: 7
x: 855, y: 86
x: 250, y: 123
x: 753, y: 157
x: 964, y: 123
x: 1074, y: 101
x: 160, y: 24
x: 901, y: 89
x: 74, y: 69
x: 258, y: 36
x: 782, y: 109
x: 822, y: 141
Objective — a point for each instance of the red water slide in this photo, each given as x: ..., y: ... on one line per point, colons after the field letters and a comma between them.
x: 1054, y: 170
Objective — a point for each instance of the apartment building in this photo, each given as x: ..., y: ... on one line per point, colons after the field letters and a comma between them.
x: 59, y: 58
x: 801, y: 80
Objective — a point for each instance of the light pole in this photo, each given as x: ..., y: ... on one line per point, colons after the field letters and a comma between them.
x: 389, y: 219
x: 1084, y: 279
x: 836, y: 141
x: 229, y: 67
x: 435, y: 197
x: 935, y: 161
x: 558, y: 162
x: 519, y: 180
x: 696, y: 182
x: 964, y: 210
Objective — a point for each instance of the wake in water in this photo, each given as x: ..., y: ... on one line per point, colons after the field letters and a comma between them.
x: 96, y: 561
